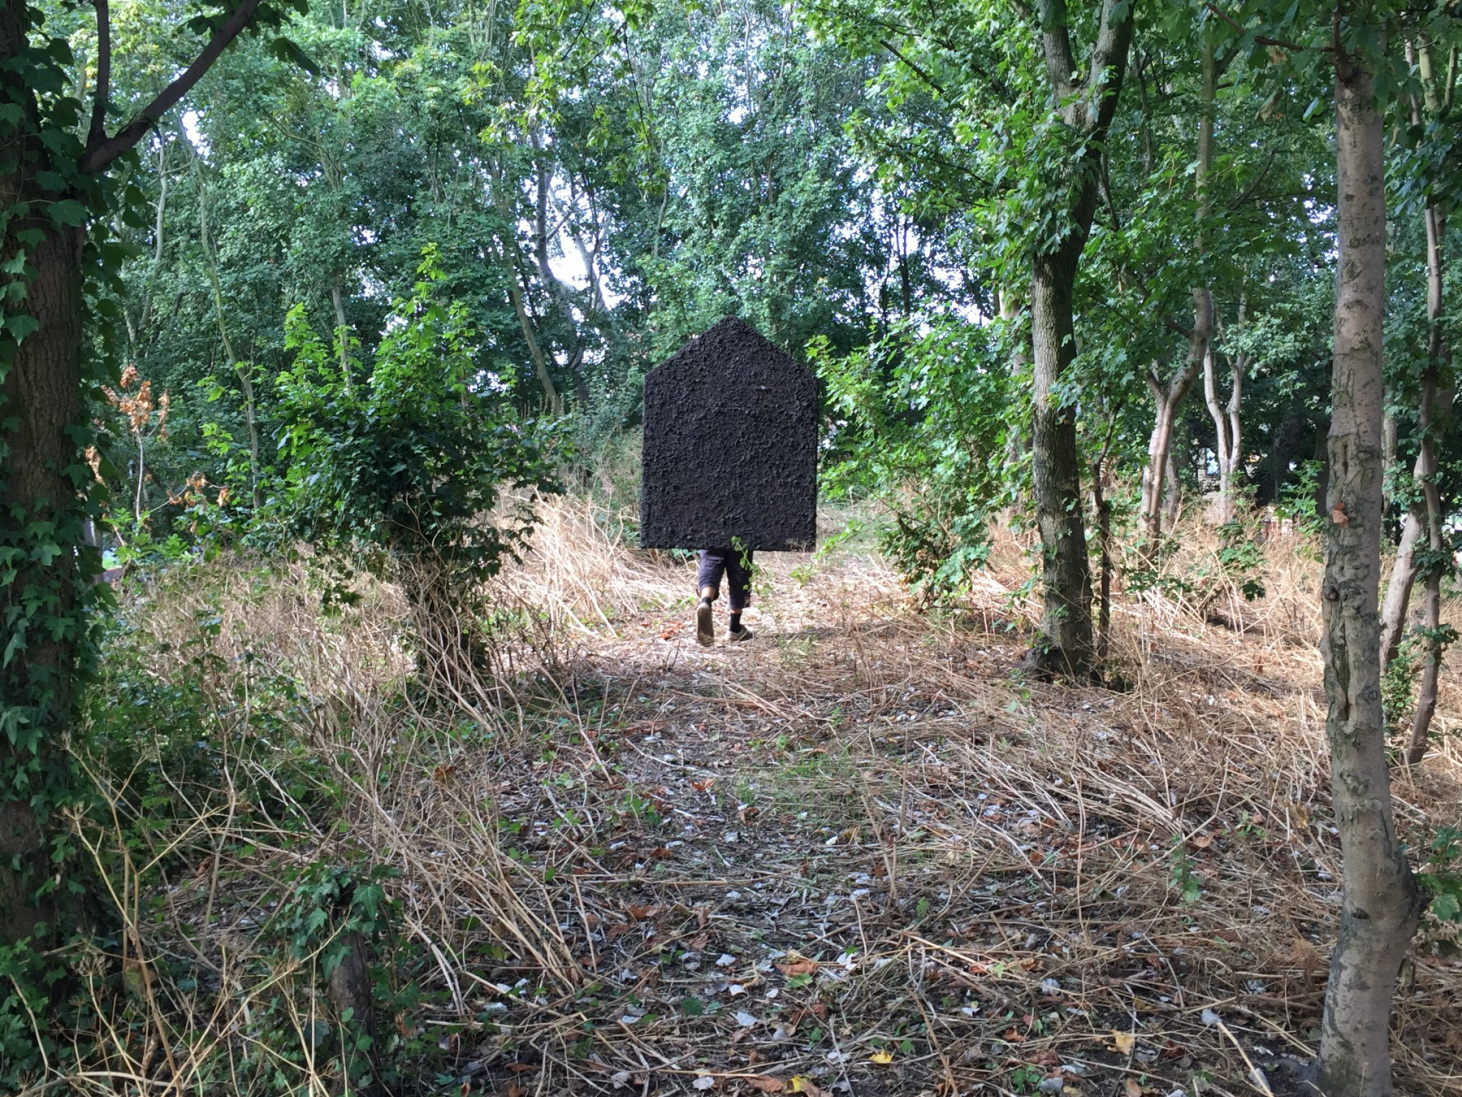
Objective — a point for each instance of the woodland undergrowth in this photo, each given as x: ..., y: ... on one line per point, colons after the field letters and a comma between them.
x: 863, y: 854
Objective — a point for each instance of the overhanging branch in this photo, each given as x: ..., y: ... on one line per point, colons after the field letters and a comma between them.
x: 102, y: 150
x: 103, y: 93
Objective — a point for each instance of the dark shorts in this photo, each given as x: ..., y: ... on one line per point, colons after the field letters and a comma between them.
x: 735, y: 564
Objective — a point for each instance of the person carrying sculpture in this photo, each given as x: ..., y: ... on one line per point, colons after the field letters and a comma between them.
x: 734, y: 562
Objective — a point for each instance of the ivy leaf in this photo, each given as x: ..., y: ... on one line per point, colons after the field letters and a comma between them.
x: 68, y: 211
x: 17, y: 644
x: 21, y: 324
x: 45, y: 552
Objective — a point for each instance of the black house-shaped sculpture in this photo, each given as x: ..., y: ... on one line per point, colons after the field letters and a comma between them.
x: 730, y: 447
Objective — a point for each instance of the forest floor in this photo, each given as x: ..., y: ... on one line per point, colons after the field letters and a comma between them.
x: 863, y: 854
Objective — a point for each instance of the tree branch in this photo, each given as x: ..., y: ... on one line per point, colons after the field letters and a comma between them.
x: 1252, y: 187
x: 1056, y: 45
x: 102, y: 150
x: 920, y: 73
x: 1259, y: 39
x: 98, y: 130
x: 1113, y: 43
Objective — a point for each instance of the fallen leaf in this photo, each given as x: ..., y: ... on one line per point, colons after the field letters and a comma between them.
x: 799, y: 966
x: 1132, y: 1088
x: 1123, y: 1041
x: 698, y: 944
x: 883, y: 1058
x: 704, y: 786
x: 520, y: 1068
x: 705, y: 1081
x: 640, y: 914
x: 803, y: 1084
x: 744, y: 1019
x: 1201, y: 841
x: 765, y: 1083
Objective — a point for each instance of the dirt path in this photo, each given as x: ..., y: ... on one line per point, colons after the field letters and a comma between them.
x: 861, y: 855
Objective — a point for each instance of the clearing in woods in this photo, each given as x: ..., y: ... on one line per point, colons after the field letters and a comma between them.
x: 861, y: 855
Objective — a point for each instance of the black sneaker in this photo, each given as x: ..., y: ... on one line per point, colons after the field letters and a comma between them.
x: 743, y: 633
x: 705, y: 629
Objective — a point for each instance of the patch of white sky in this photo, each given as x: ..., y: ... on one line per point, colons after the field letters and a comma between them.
x: 194, y: 132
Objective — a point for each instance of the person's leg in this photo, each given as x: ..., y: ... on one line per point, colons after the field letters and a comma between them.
x: 708, y: 583
x: 739, y: 570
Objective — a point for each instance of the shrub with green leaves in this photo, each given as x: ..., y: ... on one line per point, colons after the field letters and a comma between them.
x: 409, y: 458
x: 922, y: 421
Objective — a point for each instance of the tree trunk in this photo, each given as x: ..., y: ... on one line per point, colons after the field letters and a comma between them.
x: 43, y: 476
x: 1426, y: 698
x: 1381, y: 904
x: 1065, y: 647
x: 42, y: 480
x: 1398, y: 590
x: 1420, y: 519
x: 1166, y: 396
x: 1226, y: 426
x: 1172, y: 495
x: 41, y: 405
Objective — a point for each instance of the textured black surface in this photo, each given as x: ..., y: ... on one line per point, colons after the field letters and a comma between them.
x: 730, y: 446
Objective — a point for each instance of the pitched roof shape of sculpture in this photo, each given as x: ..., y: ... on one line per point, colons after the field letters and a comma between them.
x: 730, y: 446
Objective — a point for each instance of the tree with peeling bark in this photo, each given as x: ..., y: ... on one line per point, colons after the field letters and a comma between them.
x: 57, y: 201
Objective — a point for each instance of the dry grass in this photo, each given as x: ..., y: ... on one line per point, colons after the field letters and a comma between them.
x: 626, y: 864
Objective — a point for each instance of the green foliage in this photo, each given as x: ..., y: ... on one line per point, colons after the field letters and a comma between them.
x: 924, y: 422
x: 1241, y: 559
x: 1300, y: 500
x: 410, y: 458
x: 1441, y: 882
x: 1398, y: 682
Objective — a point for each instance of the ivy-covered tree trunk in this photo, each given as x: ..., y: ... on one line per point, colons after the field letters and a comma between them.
x: 40, y: 505
x: 49, y: 191
x: 1381, y: 904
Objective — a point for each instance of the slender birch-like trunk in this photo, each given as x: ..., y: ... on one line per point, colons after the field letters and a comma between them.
x: 1381, y: 903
